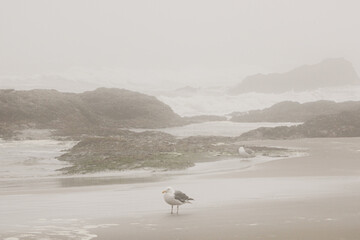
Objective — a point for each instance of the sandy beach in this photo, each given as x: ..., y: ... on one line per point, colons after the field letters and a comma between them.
x: 115, y: 114
x: 316, y: 196
x: 311, y: 197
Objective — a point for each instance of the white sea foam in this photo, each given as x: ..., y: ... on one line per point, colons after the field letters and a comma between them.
x: 218, y: 103
x: 60, y: 229
x: 216, y: 128
x: 31, y: 158
x: 36, y: 159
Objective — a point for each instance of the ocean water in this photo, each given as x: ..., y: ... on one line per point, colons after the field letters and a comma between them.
x: 210, y: 102
x: 36, y: 202
x: 216, y: 128
x: 28, y: 160
x: 31, y: 158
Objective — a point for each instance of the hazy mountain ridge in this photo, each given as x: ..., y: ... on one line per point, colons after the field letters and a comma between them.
x: 328, y: 73
x: 102, y: 108
x: 295, y: 112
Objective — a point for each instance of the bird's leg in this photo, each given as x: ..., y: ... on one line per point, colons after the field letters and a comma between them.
x: 177, y: 209
x: 172, y: 209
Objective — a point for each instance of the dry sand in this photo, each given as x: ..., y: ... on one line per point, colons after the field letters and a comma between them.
x: 310, y: 197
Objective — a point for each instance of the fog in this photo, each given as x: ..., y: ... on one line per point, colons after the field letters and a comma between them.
x: 144, y: 45
x: 214, y: 103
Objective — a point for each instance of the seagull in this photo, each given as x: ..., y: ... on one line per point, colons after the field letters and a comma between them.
x: 246, y: 152
x: 177, y: 198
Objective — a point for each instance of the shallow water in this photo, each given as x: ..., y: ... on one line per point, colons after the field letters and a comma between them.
x: 36, y: 202
x: 31, y: 158
x: 31, y: 165
x: 74, y: 213
x: 212, y: 102
x: 216, y: 128
x: 76, y: 207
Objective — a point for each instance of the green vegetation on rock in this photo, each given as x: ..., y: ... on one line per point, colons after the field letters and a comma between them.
x: 82, y: 113
x: 157, y: 150
x: 344, y: 124
x: 294, y: 112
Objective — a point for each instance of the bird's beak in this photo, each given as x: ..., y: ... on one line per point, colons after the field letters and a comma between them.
x: 164, y: 191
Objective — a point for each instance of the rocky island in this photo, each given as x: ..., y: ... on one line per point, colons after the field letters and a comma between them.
x: 343, y: 124
x: 97, y: 119
x: 93, y: 112
x: 155, y: 150
x: 295, y: 112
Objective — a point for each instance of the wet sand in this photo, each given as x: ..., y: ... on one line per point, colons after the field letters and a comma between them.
x: 309, y: 197
x: 333, y: 218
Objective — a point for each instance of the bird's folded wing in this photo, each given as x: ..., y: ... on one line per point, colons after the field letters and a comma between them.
x: 182, y: 197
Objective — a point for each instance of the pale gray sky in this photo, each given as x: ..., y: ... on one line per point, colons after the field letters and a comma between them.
x: 173, y: 43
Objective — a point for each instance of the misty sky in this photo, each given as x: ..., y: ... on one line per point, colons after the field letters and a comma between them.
x: 172, y: 43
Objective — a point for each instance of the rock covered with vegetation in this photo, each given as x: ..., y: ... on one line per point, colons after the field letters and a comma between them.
x: 344, y: 124
x: 72, y: 113
x: 155, y: 150
x: 295, y: 112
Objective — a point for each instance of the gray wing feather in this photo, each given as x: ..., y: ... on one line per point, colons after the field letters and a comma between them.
x: 182, y: 197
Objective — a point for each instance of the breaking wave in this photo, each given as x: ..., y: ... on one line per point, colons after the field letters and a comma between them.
x: 203, y: 102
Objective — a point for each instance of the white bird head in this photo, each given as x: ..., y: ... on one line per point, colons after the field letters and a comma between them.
x: 168, y: 190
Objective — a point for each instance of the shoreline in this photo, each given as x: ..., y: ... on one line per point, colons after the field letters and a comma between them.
x: 307, y: 197
x: 319, y: 200
x: 144, y: 175
x: 274, y: 219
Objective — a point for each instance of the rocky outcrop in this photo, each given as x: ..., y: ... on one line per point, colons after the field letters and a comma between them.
x: 294, y: 111
x: 80, y: 113
x: 344, y: 124
x: 156, y: 150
